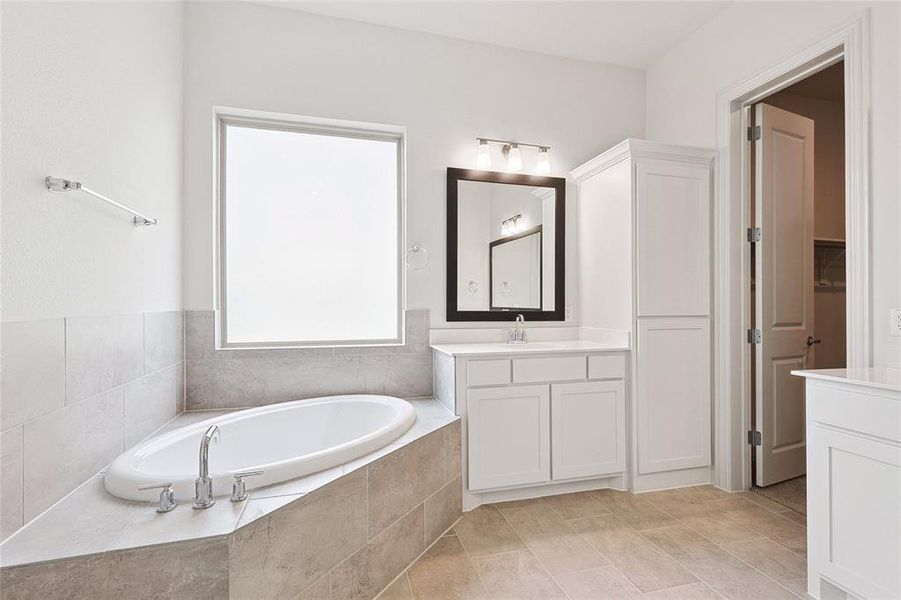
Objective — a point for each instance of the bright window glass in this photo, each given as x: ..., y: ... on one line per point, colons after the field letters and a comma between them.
x: 310, y: 235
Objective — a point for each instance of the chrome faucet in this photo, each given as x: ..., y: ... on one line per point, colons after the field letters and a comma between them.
x: 203, y: 487
x: 517, y: 335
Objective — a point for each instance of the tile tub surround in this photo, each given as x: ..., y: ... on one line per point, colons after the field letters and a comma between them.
x: 75, y: 393
x: 219, y: 379
x: 343, y: 533
x: 689, y: 543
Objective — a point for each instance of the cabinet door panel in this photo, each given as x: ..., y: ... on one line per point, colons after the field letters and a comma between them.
x: 673, y: 239
x: 673, y: 394
x: 588, y: 425
x: 508, y: 436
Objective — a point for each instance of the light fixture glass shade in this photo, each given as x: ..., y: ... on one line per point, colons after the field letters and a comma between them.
x: 514, y: 159
x: 544, y: 162
x: 484, y: 158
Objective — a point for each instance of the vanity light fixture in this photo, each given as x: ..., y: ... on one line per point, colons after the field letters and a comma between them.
x: 511, y: 225
x: 484, y: 159
x: 543, y: 165
x: 514, y: 158
x: 511, y: 151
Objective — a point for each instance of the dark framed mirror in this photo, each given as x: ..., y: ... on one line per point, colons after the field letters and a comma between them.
x: 505, y: 246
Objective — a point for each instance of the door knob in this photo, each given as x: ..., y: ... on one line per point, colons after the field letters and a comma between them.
x: 811, y: 341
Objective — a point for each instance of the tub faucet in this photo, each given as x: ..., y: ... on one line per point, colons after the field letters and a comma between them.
x: 203, y: 487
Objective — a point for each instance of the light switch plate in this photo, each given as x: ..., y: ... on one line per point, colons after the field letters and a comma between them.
x: 896, y: 323
x: 568, y: 313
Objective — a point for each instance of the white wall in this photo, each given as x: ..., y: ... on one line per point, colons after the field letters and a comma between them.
x: 747, y: 38
x: 444, y: 91
x: 92, y: 92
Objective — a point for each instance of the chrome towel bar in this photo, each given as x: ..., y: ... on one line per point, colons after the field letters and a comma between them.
x: 56, y: 184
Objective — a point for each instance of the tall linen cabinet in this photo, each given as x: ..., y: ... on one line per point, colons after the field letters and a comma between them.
x: 645, y: 278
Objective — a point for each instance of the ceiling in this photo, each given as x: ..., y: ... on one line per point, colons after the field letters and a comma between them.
x: 632, y: 34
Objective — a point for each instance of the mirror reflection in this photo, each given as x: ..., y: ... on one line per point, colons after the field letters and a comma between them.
x: 505, y: 247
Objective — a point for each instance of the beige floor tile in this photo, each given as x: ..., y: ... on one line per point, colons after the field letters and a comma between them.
x: 445, y: 571
x: 565, y: 552
x: 644, y: 517
x: 772, y: 525
x: 610, y: 498
x: 398, y: 590
x: 517, y: 575
x: 604, y: 583
x: 485, y: 531
x: 719, y: 528
x: 793, y: 516
x: 533, y: 518
x: 716, y: 567
x: 576, y: 506
x: 683, y: 544
x: 772, y: 559
x: 646, y: 566
x: 761, y: 501
x: 692, y: 591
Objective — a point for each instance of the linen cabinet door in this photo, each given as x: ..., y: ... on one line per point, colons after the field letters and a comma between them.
x: 673, y: 239
x: 508, y: 436
x: 588, y: 427
x: 673, y: 394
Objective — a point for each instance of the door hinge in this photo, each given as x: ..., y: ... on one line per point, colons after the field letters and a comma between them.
x: 754, y: 336
x: 755, y: 438
x: 754, y: 133
x: 753, y: 234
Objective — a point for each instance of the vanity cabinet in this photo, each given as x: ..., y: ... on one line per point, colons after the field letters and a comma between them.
x: 645, y: 272
x: 535, y: 420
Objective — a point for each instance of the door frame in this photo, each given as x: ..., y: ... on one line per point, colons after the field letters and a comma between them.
x: 732, y: 256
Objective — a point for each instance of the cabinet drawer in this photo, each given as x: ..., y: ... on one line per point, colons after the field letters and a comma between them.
x: 607, y: 367
x: 488, y: 372
x: 557, y: 368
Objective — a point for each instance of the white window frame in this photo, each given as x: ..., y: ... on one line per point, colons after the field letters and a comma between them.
x: 224, y: 117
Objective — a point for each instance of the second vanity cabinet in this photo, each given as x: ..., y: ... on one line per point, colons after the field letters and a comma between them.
x: 536, y: 418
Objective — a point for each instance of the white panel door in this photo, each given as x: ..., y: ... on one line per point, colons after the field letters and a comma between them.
x: 509, y: 436
x: 588, y: 427
x: 673, y: 394
x: 784, y: 162
x: 673, y: 238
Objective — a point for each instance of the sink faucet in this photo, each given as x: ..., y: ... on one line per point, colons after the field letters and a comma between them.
x: 517, y: 335
x: 203, y: 487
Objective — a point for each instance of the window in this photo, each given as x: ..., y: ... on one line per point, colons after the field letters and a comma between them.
x: 310, y: 232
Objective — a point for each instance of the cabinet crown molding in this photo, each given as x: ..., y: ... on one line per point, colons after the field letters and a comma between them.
x: 638, y: 148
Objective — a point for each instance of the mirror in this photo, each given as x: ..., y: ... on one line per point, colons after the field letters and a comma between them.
x: 505, y: 246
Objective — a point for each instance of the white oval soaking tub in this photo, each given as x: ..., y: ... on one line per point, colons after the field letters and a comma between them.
x: 285, y: 441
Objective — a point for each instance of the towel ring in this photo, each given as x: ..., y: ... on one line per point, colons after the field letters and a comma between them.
x: 416, y: 265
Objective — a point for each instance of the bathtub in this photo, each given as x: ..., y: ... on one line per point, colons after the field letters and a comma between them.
x: 285, y: 441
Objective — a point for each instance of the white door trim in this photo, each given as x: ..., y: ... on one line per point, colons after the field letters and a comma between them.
x: 732, y: 468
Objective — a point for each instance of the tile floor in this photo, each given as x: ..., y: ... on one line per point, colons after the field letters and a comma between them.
x: 691, y: 543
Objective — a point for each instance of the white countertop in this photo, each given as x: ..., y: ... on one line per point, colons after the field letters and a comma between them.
x: 556, y: 347
x: 882, y: 378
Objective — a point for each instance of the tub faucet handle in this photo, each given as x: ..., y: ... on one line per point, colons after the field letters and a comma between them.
x: 239, y: 488
x: 167, y: 496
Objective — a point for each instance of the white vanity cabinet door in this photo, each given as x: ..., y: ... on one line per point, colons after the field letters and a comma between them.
x: 509, y: 431
x: 588, y: 428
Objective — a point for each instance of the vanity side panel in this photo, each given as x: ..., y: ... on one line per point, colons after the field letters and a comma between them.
x: 605, y: 240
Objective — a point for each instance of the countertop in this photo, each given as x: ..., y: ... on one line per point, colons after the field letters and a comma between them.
x: 91, y: 521
x: 882, y: 378
x: 557, y: 347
